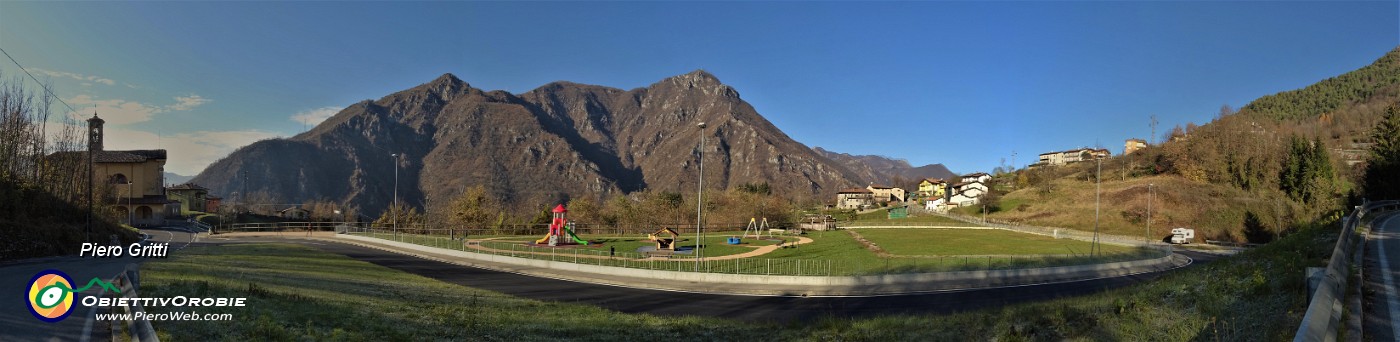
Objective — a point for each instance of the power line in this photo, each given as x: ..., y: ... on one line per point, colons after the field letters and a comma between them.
x: 36, y: 80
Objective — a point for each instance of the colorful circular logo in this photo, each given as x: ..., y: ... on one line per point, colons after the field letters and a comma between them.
x: 51, y: 295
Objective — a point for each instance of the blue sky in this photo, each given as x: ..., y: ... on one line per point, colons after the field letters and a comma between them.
x: 959, y: 83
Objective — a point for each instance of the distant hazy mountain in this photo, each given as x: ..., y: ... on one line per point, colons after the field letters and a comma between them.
x: 884, y: 170
x: 171, y: 178
x: 560, y: 140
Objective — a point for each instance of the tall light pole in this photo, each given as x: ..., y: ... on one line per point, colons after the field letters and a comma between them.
x: 1097, y: 181
x: 700, y: 197
x: 394, y: 205
x: 1147, y: 232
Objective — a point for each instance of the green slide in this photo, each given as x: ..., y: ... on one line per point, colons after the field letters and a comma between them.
x: 575, y: 237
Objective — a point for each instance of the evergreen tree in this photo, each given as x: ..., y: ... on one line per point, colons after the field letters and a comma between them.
x: 1383, y: 168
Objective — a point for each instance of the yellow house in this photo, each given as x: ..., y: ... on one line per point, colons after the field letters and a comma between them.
x: 932, y: 188
x: 136, y: 179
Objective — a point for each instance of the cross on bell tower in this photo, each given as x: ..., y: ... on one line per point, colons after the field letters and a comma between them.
x: 95, y: 133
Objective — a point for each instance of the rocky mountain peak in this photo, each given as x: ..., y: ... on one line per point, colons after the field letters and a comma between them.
x: 703, y: 81
x: 446, y: 85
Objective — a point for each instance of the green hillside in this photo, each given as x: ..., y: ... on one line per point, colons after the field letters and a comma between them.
x: 1380, y: 79
x: 1283, y: 160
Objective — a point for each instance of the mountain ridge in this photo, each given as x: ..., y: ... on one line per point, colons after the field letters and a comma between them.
x: 557, y: 141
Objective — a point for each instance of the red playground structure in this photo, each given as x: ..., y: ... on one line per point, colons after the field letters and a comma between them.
x: 561, y: 231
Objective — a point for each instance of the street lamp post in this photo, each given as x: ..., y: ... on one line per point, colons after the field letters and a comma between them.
x: 394, y: 205
x: 700, y: 197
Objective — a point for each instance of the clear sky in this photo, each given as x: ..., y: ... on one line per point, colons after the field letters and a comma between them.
x: 959, y: 83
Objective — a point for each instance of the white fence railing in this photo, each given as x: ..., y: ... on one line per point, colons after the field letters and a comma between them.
x: 1322, y: 320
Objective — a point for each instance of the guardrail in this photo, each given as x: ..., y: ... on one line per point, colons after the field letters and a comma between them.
x: 139, y: 328
x: 1322, y: 320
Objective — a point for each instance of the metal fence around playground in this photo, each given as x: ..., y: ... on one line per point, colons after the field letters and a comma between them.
x: 790, y: 266
x: 471, y: 232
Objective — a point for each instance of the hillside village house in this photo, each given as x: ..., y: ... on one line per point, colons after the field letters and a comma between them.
x: 932, y: 188
x: 885, y: 194
x: 855, y: 198
x: 976, y: 177
x: 1133, y: 145
x: 966, y: 193
x: 1071, y: 156
x: 192, y: 197
x: 211, y: 203
x: 135, y: 178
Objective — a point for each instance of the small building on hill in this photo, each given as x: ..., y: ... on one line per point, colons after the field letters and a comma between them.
x: 1133, y: 145
x: 191, y: 196
x: 1071, y: 156
x: 885, y: 194
x: 977, y: 177
x: 932, y: 188
x: 855, y: 198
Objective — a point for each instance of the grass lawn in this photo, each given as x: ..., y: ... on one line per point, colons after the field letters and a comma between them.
x: 912, y: 242
x: 917, y: 220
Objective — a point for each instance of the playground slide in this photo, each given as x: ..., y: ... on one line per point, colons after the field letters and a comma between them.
x: 575, y: 237
x: 545, y: 239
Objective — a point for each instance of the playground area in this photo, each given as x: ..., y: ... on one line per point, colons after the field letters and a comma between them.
x: 756, y: 249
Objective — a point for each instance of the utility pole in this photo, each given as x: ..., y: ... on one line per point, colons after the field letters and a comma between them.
x: 1147, y: 232
x: 1097, y: 186
x: 1154, y: 130
x: 243, y: 197
x: 700, y: 197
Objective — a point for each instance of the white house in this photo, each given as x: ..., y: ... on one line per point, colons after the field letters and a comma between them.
x: 1072, y: 156
x: 977, y: 177
x: 966, y: 193
x: 934, y: 204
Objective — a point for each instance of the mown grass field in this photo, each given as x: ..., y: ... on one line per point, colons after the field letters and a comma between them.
x: 880, y: 218
x: 917, y: 242
x: 299, y: 293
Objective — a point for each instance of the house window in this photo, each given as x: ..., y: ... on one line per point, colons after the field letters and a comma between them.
x: 117, y: 179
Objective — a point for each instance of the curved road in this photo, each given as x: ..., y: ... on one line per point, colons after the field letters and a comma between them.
x: 1381, y: 297
x: 634, y: 300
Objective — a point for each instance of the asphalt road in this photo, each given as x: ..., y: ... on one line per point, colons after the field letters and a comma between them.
x: 18, y: 324
x: 633, y: 300
x: 1381, y: 300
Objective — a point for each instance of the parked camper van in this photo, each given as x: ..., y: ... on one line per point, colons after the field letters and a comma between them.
x: 1183, y: 235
